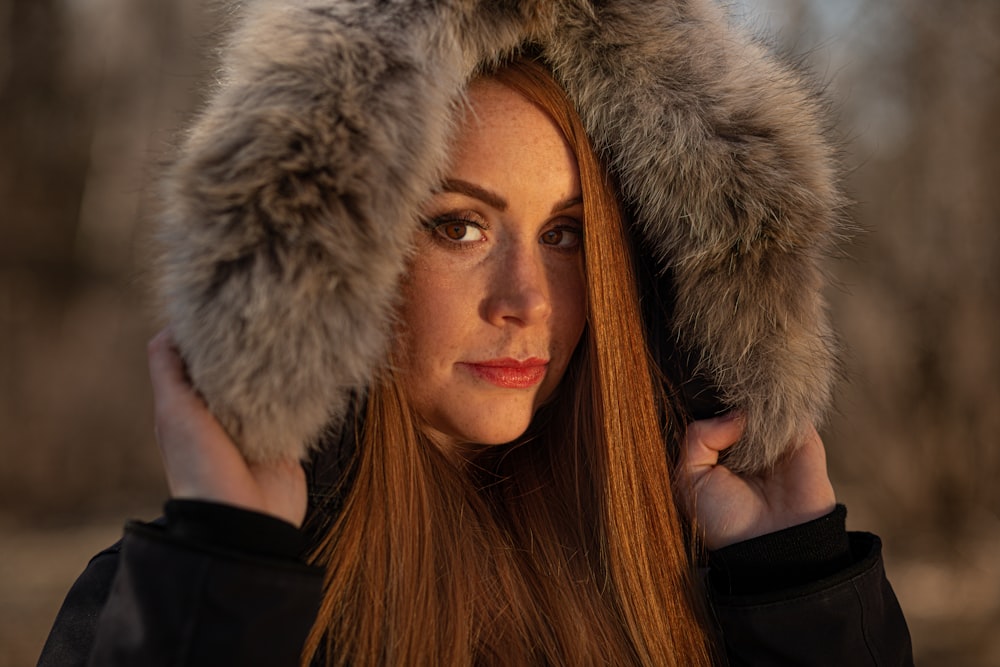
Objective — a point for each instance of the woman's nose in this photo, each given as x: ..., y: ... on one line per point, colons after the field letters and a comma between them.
x: 519, y: 292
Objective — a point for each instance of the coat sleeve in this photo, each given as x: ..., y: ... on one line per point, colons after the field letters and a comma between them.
x: 849, y: 615
x: 161, y: 598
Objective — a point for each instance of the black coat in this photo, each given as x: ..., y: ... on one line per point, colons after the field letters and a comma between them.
x: 213, y: 585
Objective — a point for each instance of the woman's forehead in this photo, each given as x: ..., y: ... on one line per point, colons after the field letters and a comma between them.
x: 509, y: 145
x: 496, y: 112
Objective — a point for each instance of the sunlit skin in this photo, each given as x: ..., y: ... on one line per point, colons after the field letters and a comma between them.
x: 494, y: 301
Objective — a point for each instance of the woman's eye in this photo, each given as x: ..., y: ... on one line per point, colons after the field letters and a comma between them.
x: 457, y: 231
x: 562, y: 237
x: 461, y: 231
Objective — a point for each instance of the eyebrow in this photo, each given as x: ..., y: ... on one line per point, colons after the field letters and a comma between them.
x: 566, y: 203
x: 494, y: 200
x: 472, y: 190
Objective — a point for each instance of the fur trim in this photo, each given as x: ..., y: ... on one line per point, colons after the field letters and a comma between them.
x: 292, y: 202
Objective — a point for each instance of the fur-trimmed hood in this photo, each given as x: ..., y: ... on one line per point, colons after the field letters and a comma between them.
x: 289, y: 209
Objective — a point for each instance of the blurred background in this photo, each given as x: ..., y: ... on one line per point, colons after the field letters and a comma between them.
x: 93, y: 94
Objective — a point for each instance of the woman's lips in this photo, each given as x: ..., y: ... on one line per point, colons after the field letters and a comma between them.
x: 510, y: 373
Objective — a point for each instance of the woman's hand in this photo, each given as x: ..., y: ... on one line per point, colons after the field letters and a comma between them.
x: 730, y: 508
x: 201, y: 460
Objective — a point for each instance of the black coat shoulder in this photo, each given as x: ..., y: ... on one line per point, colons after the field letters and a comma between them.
x: 161, y: 598
x: 75, y: 627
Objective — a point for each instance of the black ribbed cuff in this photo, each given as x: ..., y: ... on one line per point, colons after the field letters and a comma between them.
x: 785, y: 559
x: 229, y: 528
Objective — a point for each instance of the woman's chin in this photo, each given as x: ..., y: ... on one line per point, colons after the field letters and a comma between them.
x: 481, y: 432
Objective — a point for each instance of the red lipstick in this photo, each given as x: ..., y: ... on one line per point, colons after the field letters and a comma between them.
x: 510, y: 373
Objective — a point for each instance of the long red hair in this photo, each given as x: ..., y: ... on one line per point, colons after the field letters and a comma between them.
x: 562, y: 548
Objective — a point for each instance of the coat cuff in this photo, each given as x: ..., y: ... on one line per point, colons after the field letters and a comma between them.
x: 785, y: 559
x: 221, y: 527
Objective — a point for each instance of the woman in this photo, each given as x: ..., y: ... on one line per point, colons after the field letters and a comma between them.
x: 508, y: 499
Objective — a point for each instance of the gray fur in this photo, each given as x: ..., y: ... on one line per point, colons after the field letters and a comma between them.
x: 290, y: 207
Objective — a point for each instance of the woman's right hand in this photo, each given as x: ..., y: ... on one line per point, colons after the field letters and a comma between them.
x: 200, y: 459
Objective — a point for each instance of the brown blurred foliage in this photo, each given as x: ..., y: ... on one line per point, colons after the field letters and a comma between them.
x: 90, y: 93
x: 93, y: 92
x: 913, y: 447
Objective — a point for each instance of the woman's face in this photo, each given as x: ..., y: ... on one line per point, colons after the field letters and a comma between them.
x: 494, y: 302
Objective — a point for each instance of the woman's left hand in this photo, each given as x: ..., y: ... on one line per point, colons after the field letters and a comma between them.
x: 730, y: 508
